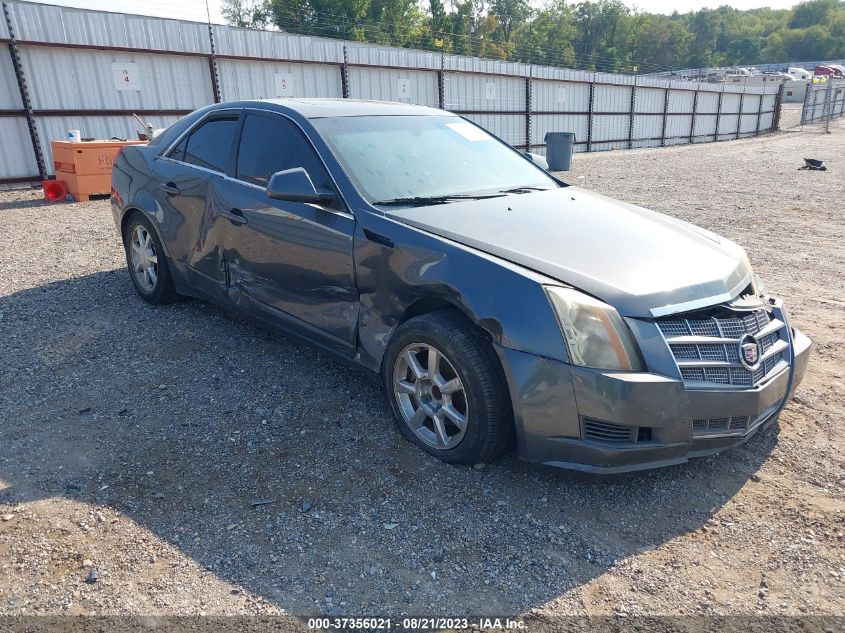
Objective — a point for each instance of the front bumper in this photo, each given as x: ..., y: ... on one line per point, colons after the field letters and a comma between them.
x: 555, y: 406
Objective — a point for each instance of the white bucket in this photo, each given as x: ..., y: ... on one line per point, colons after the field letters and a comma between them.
x: 74, y: 136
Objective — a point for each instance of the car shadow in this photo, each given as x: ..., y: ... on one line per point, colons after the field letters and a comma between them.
x: 182, y: 417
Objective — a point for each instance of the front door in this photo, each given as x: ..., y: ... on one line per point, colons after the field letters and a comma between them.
x: 286, y: 261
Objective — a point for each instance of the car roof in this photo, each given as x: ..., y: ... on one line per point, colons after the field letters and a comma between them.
x: 322, y: 108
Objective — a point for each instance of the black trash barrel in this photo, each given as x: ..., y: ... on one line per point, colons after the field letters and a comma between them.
x: 559, y: 150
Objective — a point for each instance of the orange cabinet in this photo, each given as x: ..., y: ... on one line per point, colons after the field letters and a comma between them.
x: 86, y: 167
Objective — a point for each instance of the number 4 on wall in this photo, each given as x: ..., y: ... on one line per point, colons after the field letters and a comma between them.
x: 126, y: 77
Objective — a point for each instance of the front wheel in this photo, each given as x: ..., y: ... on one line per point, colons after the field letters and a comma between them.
x: 447, y: 389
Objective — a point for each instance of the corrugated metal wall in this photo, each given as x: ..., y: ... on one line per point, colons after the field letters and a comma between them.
x: 89, y: 70
x: 241, y: 79
x: 79, y: 79
x: 393, y: 84
x: 17, y: 158
x: 63, y: 25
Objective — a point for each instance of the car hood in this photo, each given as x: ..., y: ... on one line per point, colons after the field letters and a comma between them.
x: 641, y: 262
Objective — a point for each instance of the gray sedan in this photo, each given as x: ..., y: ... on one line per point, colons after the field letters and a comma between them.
x: 500, y: 307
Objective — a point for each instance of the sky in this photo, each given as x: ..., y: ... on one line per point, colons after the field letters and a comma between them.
x: 196, y: 9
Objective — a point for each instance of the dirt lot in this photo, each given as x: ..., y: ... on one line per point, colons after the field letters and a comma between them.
x: 135, y: 440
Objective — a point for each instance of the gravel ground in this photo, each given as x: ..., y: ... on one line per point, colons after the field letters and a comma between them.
x: 135, y: 440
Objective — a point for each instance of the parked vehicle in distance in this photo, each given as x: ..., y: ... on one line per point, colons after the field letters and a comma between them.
x: 833, y: 71
x: 799, y: 73
x: 499, y: 305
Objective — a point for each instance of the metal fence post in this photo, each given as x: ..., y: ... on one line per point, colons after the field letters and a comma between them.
x: 718, y: 115
x: 212, y: 66
x: 632, y: 110
x: 775, y: 126
x: 441, y: 82
x: 760, y: 112
x: 528, y: 109
x: 590, y: 114
x: 694, y: 111
x: 804, y: 104
x: 344, y: 74
x: 741, y: 103
x: 828, y: 105
x: 665, y: 115
x: 24, y: 93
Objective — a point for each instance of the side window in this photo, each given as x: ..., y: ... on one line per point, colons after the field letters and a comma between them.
x: 209, y: 145
x: 271, y: 144
x: 178, y: 152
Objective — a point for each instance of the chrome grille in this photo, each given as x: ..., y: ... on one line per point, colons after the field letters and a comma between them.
x: 712, y: 352
x: 706, y: 345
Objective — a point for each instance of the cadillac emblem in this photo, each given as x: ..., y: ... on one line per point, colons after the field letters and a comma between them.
x: 749, y: 352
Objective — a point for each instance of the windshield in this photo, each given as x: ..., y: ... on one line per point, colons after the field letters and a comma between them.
x: 403, y: 159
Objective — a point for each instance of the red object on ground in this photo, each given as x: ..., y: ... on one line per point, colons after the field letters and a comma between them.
x: 54, y: 190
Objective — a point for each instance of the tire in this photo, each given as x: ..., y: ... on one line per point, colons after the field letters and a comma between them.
x: 429, y: 416
x: 139, y: 261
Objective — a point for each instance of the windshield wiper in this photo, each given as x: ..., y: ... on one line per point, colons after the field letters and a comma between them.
x: 526, y: 189
x: 422, y: 201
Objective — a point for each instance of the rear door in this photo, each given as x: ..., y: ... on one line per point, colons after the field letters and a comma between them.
x: 287, y: 261
x: 186, y: 171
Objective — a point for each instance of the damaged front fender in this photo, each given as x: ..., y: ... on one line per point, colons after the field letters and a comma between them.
x: 398, y: 267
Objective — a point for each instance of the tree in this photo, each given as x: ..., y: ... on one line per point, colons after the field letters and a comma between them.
x: 510, y: 14
x: 814, y: 12
x: 592, y: 34
x: 548, y: 38
x: 658, y: 41
x: 250, y: 14
x: 601, y: 33
x: 290, y: 15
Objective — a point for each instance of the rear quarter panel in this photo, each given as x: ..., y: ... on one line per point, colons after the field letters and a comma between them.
x: 132, y: 178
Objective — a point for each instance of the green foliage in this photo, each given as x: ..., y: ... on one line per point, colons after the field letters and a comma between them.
x: 250, y: 14
x: 595, y: 34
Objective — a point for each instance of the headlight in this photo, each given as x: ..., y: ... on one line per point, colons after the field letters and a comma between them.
x: 595, y: 334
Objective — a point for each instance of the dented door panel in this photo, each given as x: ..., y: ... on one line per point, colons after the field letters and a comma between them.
x: 291, y: 258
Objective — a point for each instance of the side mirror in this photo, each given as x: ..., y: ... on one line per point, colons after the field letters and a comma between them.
x: 537, y: 160
x: 295, y: 185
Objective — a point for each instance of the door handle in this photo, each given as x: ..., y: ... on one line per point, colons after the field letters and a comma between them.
x: 235, y: 216
x: 170, y: 189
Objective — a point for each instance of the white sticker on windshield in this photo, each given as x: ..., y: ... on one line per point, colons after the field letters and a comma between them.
x: 469, y: 131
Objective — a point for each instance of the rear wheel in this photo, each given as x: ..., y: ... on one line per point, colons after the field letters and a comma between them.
x: 447, y: 390
x: 147, y: 262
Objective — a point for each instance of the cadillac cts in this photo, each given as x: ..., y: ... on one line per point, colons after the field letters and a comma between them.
x: 499, y: 305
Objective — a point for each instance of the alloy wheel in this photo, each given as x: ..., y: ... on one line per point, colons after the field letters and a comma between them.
x: 143, y: 258
x: 431, y: 396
